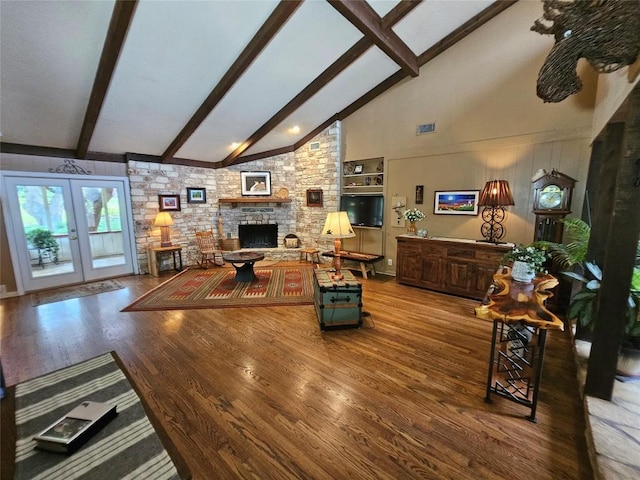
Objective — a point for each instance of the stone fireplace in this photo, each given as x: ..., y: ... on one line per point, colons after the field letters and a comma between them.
x: 261, y: 235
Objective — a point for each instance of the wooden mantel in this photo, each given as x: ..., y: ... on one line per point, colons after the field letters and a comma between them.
x: 235, y: 201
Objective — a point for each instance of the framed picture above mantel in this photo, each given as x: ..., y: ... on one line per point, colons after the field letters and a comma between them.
x: 256, y: 183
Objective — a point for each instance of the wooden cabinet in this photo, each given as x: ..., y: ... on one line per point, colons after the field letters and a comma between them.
x: 456, y: 266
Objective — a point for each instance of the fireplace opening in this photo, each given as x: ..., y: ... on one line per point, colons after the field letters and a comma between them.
x: 263, y: 235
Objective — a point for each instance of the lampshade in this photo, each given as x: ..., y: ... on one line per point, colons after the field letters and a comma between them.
x: 496, y: 193
x: 163, y: 219
x: 337, y: 225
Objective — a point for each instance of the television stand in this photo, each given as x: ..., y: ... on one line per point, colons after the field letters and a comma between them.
x: 365, y: 260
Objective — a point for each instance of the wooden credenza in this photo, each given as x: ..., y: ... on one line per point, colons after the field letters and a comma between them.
x: 457, y: 266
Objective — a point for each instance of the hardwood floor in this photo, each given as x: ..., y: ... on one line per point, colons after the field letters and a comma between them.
x: 263, y: 393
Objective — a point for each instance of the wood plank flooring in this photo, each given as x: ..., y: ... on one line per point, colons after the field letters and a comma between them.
x: 263, y: 393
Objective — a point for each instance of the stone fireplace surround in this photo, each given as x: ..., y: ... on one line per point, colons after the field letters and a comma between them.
x: 298, y: 171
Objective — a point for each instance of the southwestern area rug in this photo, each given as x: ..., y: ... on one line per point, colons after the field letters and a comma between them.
x: 216, y: 288
x: 126, y: 447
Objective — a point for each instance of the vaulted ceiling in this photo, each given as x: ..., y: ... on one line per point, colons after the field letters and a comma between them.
x: 207, y: 83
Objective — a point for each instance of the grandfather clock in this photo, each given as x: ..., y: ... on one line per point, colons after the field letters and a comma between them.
x: 551, y: 203
x: 552, y: 194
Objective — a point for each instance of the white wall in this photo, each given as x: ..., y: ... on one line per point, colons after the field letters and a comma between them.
x: 613, y: 88
x: 489, y: 124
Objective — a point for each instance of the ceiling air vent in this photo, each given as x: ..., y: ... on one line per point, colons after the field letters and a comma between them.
x: 426, y: 128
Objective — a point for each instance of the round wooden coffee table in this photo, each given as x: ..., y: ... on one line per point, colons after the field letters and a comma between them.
x: 243, y: 263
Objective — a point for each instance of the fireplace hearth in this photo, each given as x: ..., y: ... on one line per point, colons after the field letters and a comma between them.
x: 262, y: 235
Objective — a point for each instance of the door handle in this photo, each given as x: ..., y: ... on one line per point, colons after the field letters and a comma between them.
x: 73, y: 238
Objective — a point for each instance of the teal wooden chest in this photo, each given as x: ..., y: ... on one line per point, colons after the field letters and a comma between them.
x: 338, y: 302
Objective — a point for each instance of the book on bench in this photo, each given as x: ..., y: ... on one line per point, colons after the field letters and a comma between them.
x: 70, y: 432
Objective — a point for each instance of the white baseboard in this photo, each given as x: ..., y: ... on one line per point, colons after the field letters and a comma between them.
x: 5, y: 294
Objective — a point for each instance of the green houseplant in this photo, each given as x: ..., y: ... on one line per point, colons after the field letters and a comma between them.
x: 527, y: 261
x: 582, y: 307
x: 573, y: 253
x: 45, y: 242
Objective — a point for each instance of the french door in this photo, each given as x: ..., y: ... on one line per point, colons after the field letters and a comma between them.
x: 67, y: 230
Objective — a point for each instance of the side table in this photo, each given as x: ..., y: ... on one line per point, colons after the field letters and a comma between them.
x: 520, y: 324
x: 152, y: 257
x: 365, y: 260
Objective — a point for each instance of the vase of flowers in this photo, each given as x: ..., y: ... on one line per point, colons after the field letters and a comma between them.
x: 527, y: 261
x: 413, y: 215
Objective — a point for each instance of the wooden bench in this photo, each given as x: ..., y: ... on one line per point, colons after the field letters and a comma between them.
x: 365, y: 260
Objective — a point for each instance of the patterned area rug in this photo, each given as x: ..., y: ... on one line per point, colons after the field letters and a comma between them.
x: 75, y: 291
x: 126, y: 447
x: 216, y: 288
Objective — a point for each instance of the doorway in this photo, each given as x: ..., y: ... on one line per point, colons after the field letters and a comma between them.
x: 67, y: 230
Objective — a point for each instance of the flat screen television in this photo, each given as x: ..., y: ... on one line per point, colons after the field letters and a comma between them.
x: 363, y: 210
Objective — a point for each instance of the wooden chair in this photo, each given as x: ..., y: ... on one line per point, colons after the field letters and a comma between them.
x: 209, y: 250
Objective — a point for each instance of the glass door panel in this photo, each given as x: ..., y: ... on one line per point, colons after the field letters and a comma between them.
x: 44, y: 230
x: 66, y: 231
x: 102, y: 219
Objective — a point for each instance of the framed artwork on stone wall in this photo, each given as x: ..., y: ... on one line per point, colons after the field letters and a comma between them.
x: 314, y: 197
x: 169, y: 203
x: 256, y: 183
x: 196, y: 195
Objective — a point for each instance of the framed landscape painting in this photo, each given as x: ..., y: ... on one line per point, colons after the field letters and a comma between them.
x: 462, y: 202
x: 196, y: 195
x: 169, y: 203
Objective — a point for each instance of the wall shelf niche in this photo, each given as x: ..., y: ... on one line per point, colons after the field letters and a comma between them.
x: 363, y: 177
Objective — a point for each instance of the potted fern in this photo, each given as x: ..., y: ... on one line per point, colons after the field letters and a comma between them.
x: 582, y: 306
x: 44, y: 241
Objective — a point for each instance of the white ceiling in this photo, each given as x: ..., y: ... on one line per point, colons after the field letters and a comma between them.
x: 174, y: 55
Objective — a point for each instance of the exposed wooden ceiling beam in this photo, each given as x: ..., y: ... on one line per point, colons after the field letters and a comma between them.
x: 309, y: 136
x: 260, y: 40
x: 390, y: 19
x: 38, y: 151
x: 365, y: 19
x: 142, y: 157
x: 454, y: 37
x: 315, y: 86
x: 121, y: 17
x: 350, y: 56
x: 471, y: 25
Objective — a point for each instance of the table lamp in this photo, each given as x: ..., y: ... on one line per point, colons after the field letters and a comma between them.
x: 163, y: 220
x: 495, y: 195
x: 337, y: 226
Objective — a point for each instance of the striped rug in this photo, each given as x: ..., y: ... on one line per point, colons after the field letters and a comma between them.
x: 127, y: 447
x: 216, y: 288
